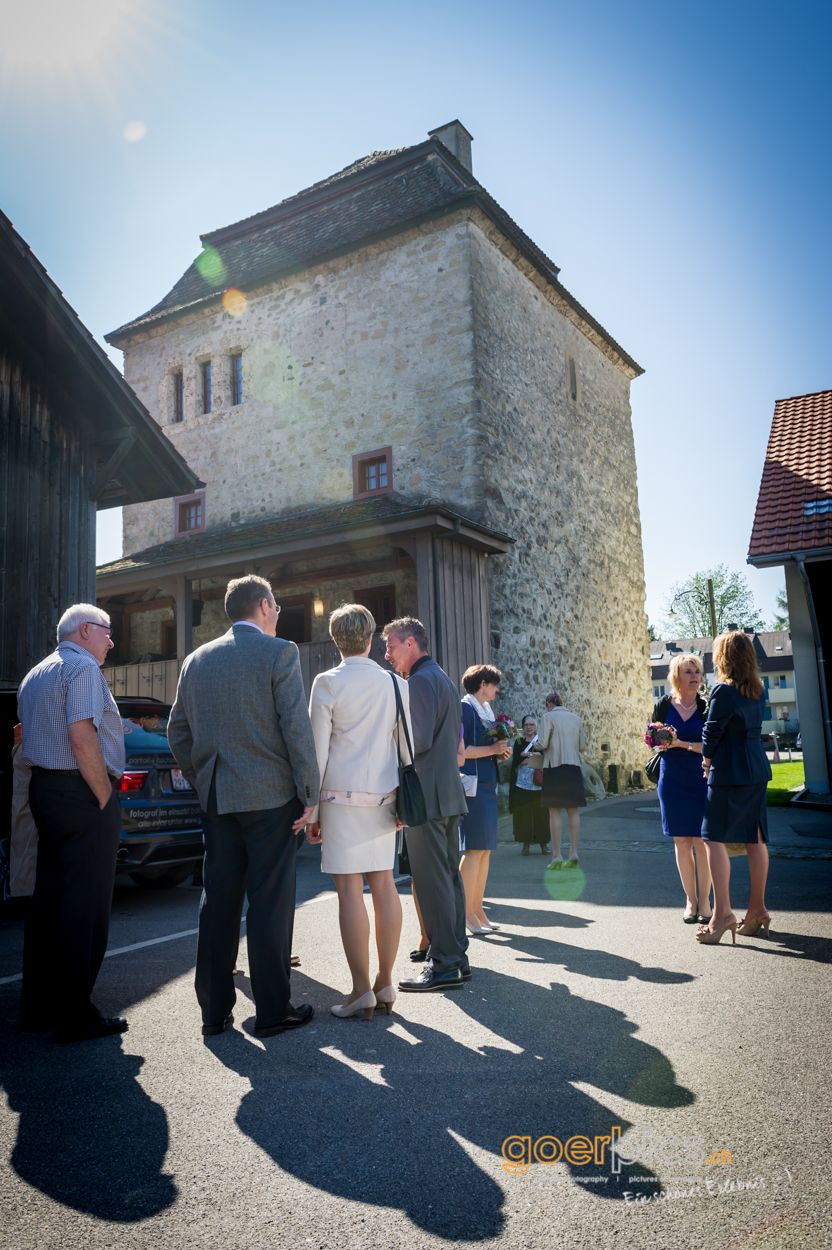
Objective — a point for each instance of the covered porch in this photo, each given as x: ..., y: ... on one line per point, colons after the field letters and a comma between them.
x: 396, y: 558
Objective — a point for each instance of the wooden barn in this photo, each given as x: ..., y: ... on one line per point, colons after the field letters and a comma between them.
x: 74, y: 438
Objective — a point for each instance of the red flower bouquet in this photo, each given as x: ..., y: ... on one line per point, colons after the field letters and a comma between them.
x: 658, y: 735
x: 502, y: 730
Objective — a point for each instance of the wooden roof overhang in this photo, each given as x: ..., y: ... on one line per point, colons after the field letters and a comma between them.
x: 264, y: 547
x: 135, y: 461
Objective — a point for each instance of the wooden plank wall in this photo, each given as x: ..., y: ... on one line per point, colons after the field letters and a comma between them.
x: 461, y: 575
x: 158, y: 681
x: 47, y: 520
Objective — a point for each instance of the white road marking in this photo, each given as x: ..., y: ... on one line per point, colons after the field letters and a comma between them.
x: 172, y: 937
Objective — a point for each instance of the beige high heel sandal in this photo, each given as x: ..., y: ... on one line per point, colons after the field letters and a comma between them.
x: 711, y: 937
x: 751, y: 927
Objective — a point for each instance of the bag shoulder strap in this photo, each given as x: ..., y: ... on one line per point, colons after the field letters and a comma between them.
x: 400, y: 716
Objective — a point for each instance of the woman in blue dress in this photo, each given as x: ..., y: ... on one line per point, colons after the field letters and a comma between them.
x: 682, y: 789
x: 478, y: 830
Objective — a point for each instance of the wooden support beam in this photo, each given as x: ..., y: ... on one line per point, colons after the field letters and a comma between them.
x: 125, y: 442
x: 184, y: 617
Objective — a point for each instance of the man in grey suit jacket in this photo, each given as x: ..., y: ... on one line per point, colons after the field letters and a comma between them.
x: 433, y: 848
x: 240, y: 732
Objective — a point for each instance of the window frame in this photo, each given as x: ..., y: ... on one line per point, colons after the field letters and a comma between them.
x: 236, y: 359
x: 362, y: 458
x: 182, y: 501
x: 207, y: 378
x: 369, y: 592
x: 178, y: 396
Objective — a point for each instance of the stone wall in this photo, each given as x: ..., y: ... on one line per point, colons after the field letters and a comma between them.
x: 371, y: 350
x: 567, y: 601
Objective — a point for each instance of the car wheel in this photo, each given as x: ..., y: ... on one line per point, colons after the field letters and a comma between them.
x: 163, y: 878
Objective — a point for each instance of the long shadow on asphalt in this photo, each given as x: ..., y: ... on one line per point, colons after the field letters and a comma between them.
x: 398, y: 1114
x: 88, y: 1136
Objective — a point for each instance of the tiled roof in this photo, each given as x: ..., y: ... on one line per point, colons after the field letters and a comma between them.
x: 794, y: 507
x: 292, y: 525
x: 379, y: 195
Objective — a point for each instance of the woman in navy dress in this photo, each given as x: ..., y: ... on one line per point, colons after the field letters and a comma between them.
x: 478, y: 830
x: 738, y: 774
x: 682, y: 788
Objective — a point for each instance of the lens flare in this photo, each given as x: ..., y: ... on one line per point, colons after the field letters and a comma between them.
x: 565, y: 884
x: 134, y: 131
x: 209, y: 263
x: 234, y: 302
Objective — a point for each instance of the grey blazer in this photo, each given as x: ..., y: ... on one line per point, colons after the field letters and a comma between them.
x: 436, y: 715
x: 240, y: 706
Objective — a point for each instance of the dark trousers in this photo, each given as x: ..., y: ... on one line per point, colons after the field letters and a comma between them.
x: 433, y: 849
x: 69, y: 917
x: 250, y: 853
x: 531, y: 822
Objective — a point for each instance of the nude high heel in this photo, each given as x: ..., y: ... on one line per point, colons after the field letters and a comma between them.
x: 385, y: 998
x: 711, y: 937
x: 365, y: 1005
x: 751, y: 927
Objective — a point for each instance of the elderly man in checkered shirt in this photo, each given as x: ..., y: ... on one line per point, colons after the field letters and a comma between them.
x: 74, y: 744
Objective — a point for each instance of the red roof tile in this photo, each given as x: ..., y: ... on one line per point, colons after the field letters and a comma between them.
x: 797, y: 472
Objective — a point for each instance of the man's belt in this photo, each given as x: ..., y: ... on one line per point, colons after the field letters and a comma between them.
x: 69, y: 772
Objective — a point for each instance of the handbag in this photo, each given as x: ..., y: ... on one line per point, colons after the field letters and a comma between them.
x: 410, y: 801
x: 469, y: 784
x: 736, y: 848
x: 537, y: 776
x: 653, y: 767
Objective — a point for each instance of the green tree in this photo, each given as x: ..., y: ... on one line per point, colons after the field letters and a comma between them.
x: 651, y: 632
x: 781, y: 616
x: 733, y: 605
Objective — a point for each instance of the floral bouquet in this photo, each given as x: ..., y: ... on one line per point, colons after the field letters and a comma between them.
x: 502, y: 730
x: 658, y: 735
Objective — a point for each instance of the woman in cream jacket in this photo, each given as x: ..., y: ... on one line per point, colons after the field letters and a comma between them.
x: 354, y: 720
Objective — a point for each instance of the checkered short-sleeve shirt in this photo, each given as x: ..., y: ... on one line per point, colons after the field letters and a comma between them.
x: 66, y: 687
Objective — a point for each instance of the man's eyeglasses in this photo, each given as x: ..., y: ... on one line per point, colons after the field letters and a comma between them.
x: 98, y: 625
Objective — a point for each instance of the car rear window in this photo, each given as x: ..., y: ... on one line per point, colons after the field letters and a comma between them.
x: 145, y: 726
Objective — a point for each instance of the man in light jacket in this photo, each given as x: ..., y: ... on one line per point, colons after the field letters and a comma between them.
x: 433, y: 848
x: 240, y: 732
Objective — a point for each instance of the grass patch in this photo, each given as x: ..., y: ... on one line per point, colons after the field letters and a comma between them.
x: 785, y: 778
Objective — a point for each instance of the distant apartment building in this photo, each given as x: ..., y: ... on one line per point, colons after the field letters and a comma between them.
x: 774, y: 655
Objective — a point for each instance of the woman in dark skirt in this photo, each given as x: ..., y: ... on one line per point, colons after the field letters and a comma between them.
x: 738, y: 773
x: 561, y: 738
x: 529, y: 819
x: 478, y: 829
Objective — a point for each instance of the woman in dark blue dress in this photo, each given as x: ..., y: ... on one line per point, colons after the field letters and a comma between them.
x: 738, y: 774
x: 682, y: 788
x: 478, y: 830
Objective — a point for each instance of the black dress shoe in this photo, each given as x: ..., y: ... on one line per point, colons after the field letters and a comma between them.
x: 103, y: 1027
x: 419, y: 957
x: 296, y: 1019
x: 35, y: 1024
x: 466, y: 974
x: 213, y: 1030
x: 430, y: 980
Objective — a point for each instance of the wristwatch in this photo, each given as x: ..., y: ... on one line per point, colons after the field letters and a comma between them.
x: 690, y: 746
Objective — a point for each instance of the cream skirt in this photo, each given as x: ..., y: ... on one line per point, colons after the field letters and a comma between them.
x: 357, y: 839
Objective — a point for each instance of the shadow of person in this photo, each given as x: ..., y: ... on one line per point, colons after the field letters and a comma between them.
x: 403, y: 1116
x: 593, y: 963
x: 88, y: 1135
x: 534, y: 917
x: 790, y: 945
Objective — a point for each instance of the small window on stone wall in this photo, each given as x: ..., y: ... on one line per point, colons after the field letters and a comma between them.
x: 236, y: 380
x: 572, y: 369
x: 381, y: 601
x: 178, y: 397
x: 207, y: 389
x: 189, y: 514
x: 372, y: 473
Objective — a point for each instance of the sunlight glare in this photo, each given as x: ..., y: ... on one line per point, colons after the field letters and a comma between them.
x: 55, y: 34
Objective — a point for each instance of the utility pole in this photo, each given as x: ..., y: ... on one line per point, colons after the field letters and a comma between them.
x: 711, y: 605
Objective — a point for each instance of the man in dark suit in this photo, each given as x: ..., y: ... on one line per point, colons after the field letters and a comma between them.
x: 240, y: 732
x: 433, y: 848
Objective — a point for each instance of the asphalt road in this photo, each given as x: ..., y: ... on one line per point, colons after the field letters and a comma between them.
x: 593, y: 1007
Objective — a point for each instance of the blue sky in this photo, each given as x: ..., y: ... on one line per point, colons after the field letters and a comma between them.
x: 673, y: 159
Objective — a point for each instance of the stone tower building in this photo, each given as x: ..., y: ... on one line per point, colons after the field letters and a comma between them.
x: 390, y: 396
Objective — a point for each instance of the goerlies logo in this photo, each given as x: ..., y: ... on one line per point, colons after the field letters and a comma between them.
x: 650, y: 1149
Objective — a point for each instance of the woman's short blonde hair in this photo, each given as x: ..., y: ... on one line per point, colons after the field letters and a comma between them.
x: 351, y: 627
x: 676, y: 667
x: 735, y: 661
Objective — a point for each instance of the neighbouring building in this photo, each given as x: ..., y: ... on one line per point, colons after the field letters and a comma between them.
x: 74, y: 439
x: 793, y: 527
x: 392, y: 398
x: 776, y: 663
